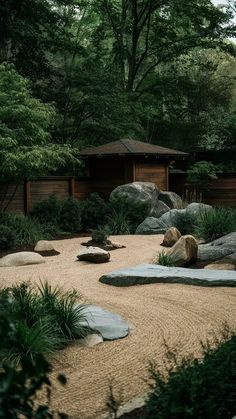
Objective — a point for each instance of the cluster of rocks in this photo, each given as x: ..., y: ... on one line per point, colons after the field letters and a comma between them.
x: 183, y: 249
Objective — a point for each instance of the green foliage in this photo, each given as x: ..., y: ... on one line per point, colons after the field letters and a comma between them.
x: 62, y: 306
x: 20, y: 385
x: 26, y: 150
x: 196, y: 388
x: 93, y: 211
x: 70, y: 217
x: 48, y: 210
x: 45, y: 319
x: 165, y: 260
x: 126, y: 214
x: 26, y: 231
x: 216, y: 223
x: 101, y: 234
x: 201, y: 174
x: 7, y: 237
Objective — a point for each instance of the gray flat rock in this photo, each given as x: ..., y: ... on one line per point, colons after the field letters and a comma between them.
x: 219, y: 248
x: 151, y: 274
x: 110, y: 325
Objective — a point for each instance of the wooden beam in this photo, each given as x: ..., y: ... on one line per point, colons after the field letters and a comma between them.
x: 72, y: 186
x: 27, y: 196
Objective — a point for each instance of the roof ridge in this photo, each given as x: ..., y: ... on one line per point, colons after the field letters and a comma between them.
x: 127, y: 148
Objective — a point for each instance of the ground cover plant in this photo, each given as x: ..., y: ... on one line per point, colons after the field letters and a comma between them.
x: 195, y: 388
x: 45, y: 319
x: 20, y: 384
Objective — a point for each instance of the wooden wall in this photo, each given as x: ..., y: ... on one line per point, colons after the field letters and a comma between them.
x: 222, y: 191
x: 148, y: 171
x: 29, y: 193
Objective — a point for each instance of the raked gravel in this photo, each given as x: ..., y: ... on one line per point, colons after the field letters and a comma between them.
x: 176, y: 314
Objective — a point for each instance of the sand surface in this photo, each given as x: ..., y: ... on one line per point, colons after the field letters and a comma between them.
x: 176, y: 314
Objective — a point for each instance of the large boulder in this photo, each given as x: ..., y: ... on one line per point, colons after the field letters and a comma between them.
x: 94, y: 255
x: 160, y: 209
x: 171, y: 199
x: 184, y: 251
x: 170, y: 217
x: 218, y: 249
x: 139, y: 192
x: 21, y: 259
x: 171, y: 236
x: 153, y: 274
x: 110, y: 325
x: 194, y: 209
x: 151, y: 225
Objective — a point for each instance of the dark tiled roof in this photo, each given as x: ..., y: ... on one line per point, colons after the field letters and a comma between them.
x: 130, y: 147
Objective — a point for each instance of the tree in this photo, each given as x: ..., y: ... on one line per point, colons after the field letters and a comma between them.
x: 26, y: 150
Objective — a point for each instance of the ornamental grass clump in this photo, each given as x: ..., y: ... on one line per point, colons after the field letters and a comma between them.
x: 216, y: 223
x: 165, y: 260
x: 45, y: 319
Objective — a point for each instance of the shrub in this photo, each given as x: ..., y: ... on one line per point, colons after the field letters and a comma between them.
x: 165, y: 260
x: 48, y: 210
x: 93, y: 211
x: 45, y: 319
x: 26, y: 230
x: 7, y: 237
x: 215, y: 223
x: 70, y: 216
x: 196, y: 388
x: 101, y: 234
x: 127, y: 213
x: 20, y: 384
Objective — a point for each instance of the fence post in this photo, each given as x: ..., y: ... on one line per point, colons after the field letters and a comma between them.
x: 27, y: 196
x: 72, y: 186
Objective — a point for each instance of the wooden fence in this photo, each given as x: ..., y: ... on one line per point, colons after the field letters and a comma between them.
x: 23, y: 197
x: 221, y: 193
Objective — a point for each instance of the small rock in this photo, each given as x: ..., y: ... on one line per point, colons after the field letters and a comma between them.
x: 90, y: 340
x: 43, y: 246
x: 171, y: 199
x: 221, y: 266
x: 171, y: 236
x: 21, y: 259
x: 184, y: 251
x: 94, y: 254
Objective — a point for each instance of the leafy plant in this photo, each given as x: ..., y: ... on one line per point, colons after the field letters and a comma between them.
x: 215, y: 223
x: 194, y: 388
x: 101, y: 234
x: 70, y: 216
x: 165, y: 260
x: 7, y: 237
x: 93, y: 211
x: 26, y: 230
x: 126, y: 214
x: 48, y: 210
x: 20, y: 384
x: 67, y: 314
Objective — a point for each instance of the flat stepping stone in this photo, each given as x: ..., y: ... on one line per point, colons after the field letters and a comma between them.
x: 110, y: 325
x: 151, y: 274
